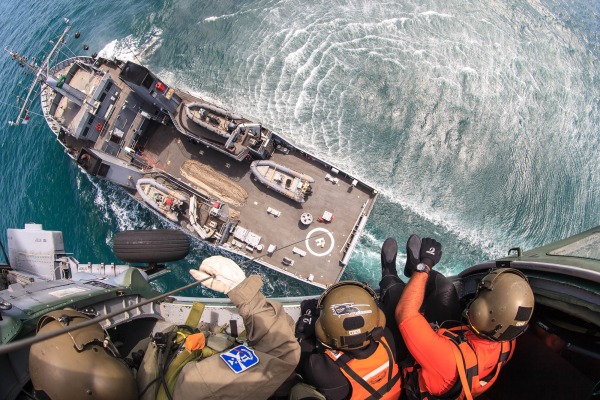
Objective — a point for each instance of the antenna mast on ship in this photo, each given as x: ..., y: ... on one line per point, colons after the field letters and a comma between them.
x: 41, y: 72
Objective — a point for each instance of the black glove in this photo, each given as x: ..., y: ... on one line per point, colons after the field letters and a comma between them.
x: 431, y: 251
x: 305, y: 327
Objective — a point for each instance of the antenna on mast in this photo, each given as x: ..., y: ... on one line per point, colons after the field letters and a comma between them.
x: 41, y: 73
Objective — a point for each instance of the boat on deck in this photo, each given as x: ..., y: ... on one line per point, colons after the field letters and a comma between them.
x: 120, y: 122
x: 283, y: 180
x: 198, y: 223
x: 167, y: 202
x: 41, y: 277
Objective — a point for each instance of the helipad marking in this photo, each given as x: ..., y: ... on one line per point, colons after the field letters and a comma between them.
x: 320, y: 242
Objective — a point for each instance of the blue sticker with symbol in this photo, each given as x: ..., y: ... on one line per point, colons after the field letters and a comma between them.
x: 240, y: 358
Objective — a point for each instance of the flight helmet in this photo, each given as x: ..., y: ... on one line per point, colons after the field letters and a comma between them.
x: 349, y: 316
x: 502, y: 307
x: 81, y: 364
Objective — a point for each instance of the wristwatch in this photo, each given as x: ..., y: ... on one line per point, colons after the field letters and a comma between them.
x: 422, y: 267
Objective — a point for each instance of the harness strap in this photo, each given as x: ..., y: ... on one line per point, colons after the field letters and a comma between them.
x: 195, y: 314
x: 472, y: 374
x: 504, y: 356
x: 464, y: 355
x: 388, y: 386
x: 461, y: 373
x: 471, y: 363
x: 469, y: 360
x: 342, y: 362
x: 172, y: 370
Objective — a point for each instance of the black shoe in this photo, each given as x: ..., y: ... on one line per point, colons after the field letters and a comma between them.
x: 413, y: 248
x: 389, y: 251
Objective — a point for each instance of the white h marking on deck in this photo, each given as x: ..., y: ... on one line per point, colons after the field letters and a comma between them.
x: 320, y: 241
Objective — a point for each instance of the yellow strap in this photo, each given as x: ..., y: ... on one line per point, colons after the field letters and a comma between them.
x: 174, y: 369
x: 185, y: 356
x: 195, y: 314
x: 461, y: 373
x: 222, y: 328
x: 207, y: 352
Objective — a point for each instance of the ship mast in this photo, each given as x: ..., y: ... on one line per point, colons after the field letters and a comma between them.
x: 40, y: 72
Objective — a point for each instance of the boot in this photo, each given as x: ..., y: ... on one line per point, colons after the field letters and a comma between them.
x: 413, y: 249
x: 389, y: 251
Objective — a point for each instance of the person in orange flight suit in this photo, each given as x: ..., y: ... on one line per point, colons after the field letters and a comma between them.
x: 462, y: 361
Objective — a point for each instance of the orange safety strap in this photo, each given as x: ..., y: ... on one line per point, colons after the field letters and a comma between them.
x: 505, y: 354
x: 343, y: 359
x: 460, y: 364
x: 467, y: 367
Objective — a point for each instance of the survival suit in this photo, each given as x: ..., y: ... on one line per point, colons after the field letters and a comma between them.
x: 469, y: 358
x: 375, y: 377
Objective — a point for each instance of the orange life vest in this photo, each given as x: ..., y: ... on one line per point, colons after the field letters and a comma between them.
x: 469, y: 384
x: 376, y: 377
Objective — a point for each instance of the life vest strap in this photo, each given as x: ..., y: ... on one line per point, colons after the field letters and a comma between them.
x: 460, y: 364
x: 390, y: 367
x: 343, y: 359
x: 505, y: 354
x: 467, y: 363
x: 343, y: 364
x: 468, y: 357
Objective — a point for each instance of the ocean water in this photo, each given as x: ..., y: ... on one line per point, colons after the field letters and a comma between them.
x: 478, y: 121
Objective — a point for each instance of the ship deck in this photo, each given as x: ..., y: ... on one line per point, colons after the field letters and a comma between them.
x: 316, y: 248
x: 305, y: 247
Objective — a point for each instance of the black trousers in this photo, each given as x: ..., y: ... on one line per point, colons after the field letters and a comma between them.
x: 440, y: 305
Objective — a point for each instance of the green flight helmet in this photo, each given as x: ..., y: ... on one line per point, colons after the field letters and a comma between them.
x: 349, y: 316
x: 80, y: 364
x: 503, y: 305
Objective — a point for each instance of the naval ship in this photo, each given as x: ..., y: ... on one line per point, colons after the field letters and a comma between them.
x: 220, y: 177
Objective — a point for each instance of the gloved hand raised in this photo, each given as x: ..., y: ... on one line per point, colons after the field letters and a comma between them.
x: 431, y: 251
x: 305, y: 327
x: 227, y: 274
